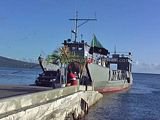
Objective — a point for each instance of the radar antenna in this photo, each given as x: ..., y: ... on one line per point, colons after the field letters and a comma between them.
x: 76, y: 19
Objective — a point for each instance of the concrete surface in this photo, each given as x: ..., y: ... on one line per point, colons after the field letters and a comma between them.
x: 14, y: 90
x: 54, y: 104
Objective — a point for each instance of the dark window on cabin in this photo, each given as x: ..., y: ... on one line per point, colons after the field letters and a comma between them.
x: 123, y: 66
x: 77, y: 49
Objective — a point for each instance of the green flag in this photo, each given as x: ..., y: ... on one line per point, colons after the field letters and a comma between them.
x: 96, y: 47
x: 96, y: 43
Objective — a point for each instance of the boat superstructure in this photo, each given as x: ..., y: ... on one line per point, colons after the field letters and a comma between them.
x: 92, y: 64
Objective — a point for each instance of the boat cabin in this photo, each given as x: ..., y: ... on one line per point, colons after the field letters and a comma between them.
x: 123, y: 62
x: 77, y: 48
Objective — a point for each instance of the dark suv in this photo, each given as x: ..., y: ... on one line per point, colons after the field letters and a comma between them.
x: 47, y: 78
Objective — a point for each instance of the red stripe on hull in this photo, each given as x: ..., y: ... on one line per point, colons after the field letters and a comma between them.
x: 112, y: 89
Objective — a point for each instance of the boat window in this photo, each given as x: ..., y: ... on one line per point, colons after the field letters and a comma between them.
x: 80, y: 48
x: 73, y: 48
x: 113, y: 66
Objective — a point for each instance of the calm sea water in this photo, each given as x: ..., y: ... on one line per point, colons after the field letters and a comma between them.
x: 141, y: 102
x: 18, y: 76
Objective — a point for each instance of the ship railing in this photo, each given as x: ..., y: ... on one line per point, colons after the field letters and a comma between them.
x: 121, y: 54
x: 100, y: 62
x: 118, y: 75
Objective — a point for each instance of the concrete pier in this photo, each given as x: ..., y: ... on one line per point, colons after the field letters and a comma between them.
x: 15, y: 90
x: 54, y: 104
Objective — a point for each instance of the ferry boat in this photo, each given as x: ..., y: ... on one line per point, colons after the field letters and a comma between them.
x: 91, y: 64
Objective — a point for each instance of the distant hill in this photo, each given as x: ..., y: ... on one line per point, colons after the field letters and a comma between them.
x: 8, y: 62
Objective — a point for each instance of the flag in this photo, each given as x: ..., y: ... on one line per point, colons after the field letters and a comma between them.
x: 96, y: 47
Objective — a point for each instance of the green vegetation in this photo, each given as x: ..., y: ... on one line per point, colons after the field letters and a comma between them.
x: 64, y: 56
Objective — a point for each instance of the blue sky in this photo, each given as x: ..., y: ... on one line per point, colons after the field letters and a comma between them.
x: 29, y: 28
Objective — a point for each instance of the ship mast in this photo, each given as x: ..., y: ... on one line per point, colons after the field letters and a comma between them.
x: 76, y: 19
